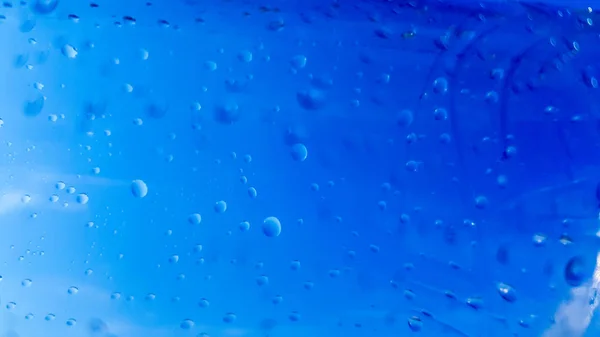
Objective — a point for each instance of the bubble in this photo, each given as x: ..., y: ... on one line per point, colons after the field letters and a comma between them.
x: 26, y: 198
x: 229, y: 317
x: 44, y: 6
x: 144, y: 54
x: 294, y: 316
x: 298, y: 61
x: 299, y: 152
x: 507, y: 292
x: 203, y: 303
x: 262, y: 280
x: 252, y: 193
x: 210, y: 65
x: 277, y: 299
x: 244, y: 226
x: 194, y: 219
x: 187, y: 324
x: 174, y: 258
x: 139, y: 189
x: 405, y: 118
x: 245, y: 56
x: 72, y: 290
x: 71, y: 321
x: 539, y: 240
x: 415, y: 323
x: 271, y: 227
x: 481, y: 202
x: 440, y: 114
x: 295, y: 265
x: 575, y: 271
x: 69, y: 51
x: 311, y: 99
x: 227, y: 113
x: 220, y: 206
x: 440, y: 85
x: 26, y: 283
x: 50, y: 317
x: 83, y: 198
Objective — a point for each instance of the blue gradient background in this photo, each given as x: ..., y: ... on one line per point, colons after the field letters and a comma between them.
x: 395, y: 238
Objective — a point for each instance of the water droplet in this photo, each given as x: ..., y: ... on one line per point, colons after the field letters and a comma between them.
x: 229, y: 317
x: 194, y: 219
x: 26, y: 283
x: 244, y: 226
x: 220, y: 206
x: 294, y: 316
x: 69, y: 51
x: 245, y: 56
x: 415, y: 323
x: 262, y: 280
x: 139, y: 189
x: 405, y: 118
x: 299, y: 152
x: 72, y: 290
x: 507, y: 292
x: 83, y: 198
x: 298, y: 61
x: 271, y: 227
x: 44, y: 6
x: 71, y: 322
x: 187, y: 324
x: 440, y: 85
x: 575, y: 271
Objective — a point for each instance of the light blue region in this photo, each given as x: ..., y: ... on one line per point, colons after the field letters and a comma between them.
x: 296, y: 168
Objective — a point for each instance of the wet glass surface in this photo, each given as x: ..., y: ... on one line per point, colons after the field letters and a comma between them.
x: 298, y: 168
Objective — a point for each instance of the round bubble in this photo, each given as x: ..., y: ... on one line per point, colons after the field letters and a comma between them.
x: 271, y: 227
x: 577, y: 271
x: 244, y: 226
x: 83, y: 198
x: 298, y: 61
x: 252, y: 193
x: 299, y: 152
x: 44, y: 6
x: 195, y: 219
x: 229, y: 317
x: 139, y: 189
x: 187, y: 324
x: 220, y: 206
x: 405, y: 118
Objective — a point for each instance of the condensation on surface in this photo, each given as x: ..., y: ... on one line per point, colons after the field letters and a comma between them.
x: 289, y: 168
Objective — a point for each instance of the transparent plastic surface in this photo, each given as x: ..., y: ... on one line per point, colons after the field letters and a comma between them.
x: 298, y: 168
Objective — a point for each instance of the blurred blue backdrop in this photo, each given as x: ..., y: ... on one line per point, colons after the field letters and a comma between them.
x: 296, y: 168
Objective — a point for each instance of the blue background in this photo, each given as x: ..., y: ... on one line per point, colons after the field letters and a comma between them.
x: 402, y: 220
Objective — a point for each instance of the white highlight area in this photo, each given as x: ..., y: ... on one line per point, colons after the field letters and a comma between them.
x: 574, y: 316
